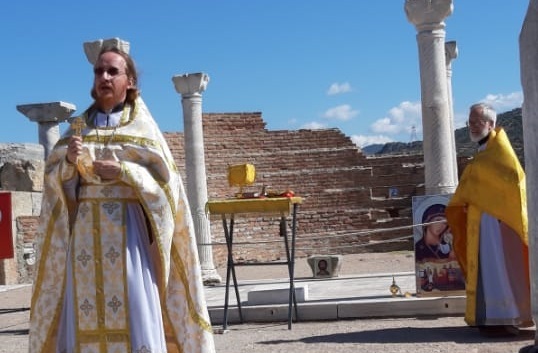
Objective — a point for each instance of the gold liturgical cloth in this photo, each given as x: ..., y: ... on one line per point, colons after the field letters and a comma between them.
x: 269, y: 204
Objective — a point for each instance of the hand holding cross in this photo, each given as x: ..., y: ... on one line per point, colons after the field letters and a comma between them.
x: 77, y: 125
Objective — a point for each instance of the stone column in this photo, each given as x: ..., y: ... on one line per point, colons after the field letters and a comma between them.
x: 48, y: 117
x: 451, y: 53
x: 191, y: 86
x: 92, y: 49
x: 428, y: 16
x: 528, y: 55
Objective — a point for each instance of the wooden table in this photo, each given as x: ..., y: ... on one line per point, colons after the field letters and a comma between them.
x: 282, y: 206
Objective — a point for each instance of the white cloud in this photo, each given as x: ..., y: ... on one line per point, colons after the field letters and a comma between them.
x: 342, y: 112
x: 400, y: 119
x: 292, y: 121
x: 504, y: 102
x: 363, y: 140
x: 405, y: 119
x: 405, y: 110
x: 385, y: 125
x: 314, y: 126
x: 338, y: 88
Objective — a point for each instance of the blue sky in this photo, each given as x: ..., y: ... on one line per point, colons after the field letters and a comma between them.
x: 347, y: 64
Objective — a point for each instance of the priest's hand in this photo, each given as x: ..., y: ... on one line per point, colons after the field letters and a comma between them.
x: 74, y: 149
x: 107, y: 169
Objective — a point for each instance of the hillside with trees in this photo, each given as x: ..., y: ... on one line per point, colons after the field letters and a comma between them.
x: 511, y: 121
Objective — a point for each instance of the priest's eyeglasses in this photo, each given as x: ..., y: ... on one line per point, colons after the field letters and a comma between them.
x: 111, y: 71
x: 476, y: 122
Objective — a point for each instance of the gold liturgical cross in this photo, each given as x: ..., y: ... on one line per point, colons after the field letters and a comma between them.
x: 77, y: 125
x: 84, y: 160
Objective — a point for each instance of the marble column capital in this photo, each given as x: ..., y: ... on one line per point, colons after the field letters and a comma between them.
x: 428, y: 14
x: 451, y: 51
x: 191, y: 85
x: 92, y: 49
x: 47, y: 112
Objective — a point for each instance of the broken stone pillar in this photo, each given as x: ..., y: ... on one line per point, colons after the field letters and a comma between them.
x: 48, y: 117
x: 451, y: 53
x: 191, y: 86
x: 428, y: 17
x: 92, y: 49
x: 528, y: 54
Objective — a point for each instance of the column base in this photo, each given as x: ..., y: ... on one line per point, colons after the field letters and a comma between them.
x: 210, y: 277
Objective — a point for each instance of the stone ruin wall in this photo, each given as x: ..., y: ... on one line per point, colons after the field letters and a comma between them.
x: 343, y: 191
x: 345, y: 194
x: 21, y: 167
x: 21, y: 173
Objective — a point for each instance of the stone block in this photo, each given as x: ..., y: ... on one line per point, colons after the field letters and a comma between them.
x: 22, y: 176
x: 325, y: 266
x: 277, y: 295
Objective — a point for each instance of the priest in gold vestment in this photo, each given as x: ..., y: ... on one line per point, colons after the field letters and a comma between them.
x: 118, y: 269
x: 488, y: 218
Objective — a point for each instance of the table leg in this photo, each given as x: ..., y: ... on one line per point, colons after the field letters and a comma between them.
x: 230, y: 270
x: 292, y: 262
x: 290, y: 257
x: 229, y: 265
x: 234, y: 277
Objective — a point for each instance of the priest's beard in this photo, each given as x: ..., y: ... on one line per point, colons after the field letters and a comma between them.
x: 475, y: 137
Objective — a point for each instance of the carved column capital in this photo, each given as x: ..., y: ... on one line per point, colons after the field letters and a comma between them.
x: 48, y: 116
x: 428, y: 14
x: 189, y: 85
x: 92, y: 49
x: 451, y: 51
x: 47, y: 112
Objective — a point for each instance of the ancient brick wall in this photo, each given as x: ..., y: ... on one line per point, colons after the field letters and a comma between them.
x: 344, y: 193
x: 26, y: 229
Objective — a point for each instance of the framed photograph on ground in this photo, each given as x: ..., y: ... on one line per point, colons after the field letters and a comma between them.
x: 436, y: 268
x: 323, y: 267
